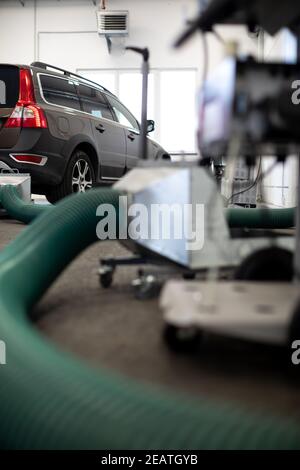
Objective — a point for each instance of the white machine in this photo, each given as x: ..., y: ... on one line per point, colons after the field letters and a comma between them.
x: 259, y: 312
x: 182, y: 228
x: 174, y: 193
x: 246, y: 109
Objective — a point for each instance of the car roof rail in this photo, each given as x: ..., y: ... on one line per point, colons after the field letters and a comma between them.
x: 43, y: 65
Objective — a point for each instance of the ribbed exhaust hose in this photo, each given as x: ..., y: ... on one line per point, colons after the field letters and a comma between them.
x: 18, y: 209
x: 261, y: 218
x: 50, y: 400
x: 237, y: 218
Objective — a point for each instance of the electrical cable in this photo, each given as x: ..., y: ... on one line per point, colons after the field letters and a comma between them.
x: 256, y: 181
x: 260, y: 177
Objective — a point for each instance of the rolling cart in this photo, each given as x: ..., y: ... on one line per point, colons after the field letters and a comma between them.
x: 151, y: 269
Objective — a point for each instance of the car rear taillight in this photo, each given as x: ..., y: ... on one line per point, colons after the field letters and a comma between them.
x: 27, y: 113
x: 34, y: 116
x: 15, y: 119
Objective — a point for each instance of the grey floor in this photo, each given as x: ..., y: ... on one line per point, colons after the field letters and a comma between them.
x: 110, y: 328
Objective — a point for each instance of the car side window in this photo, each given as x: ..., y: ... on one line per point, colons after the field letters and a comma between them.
x: 94, y: 103
x: 124, y: 117
x: 60, y: 92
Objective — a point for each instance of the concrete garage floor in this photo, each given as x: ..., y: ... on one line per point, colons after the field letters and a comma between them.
x: 110, y: 328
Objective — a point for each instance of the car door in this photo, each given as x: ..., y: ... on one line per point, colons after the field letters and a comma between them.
x: 131, y: 128
x: 109, y: 135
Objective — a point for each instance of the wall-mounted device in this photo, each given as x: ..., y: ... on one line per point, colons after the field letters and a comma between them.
x: 113, y: 22
x: 113, y: 25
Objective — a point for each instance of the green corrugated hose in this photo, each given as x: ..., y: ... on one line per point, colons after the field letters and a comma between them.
x: 237, y: 218
x: 18, y: 209
x: 261, y: 218
x: 50, y: 400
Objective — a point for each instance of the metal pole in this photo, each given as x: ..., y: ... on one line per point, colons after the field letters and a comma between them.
x: 144, y: 123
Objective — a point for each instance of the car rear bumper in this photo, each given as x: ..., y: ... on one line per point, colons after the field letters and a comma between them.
x: 47, y: 175
x: 39, y: 143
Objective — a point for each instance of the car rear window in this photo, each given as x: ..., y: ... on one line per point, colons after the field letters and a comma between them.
x: 60, y: 91
x: 94, y: 103
x: 9, y: 86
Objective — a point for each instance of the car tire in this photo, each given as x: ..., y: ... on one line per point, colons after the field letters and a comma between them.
x: 79, y: 177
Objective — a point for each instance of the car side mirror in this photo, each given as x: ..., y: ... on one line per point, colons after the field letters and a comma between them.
x: 150, y: 126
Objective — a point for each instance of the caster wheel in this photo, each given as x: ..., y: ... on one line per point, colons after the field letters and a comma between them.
x: 182, y: 340
x: 267, y: 265
x: 145, y: 288
x: 106, y: 279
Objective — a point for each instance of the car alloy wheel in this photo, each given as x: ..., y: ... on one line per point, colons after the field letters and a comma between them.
x: 82, y: 179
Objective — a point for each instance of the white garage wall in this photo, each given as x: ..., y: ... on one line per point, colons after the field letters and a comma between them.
x: 63, y: 32
x: 16, y: 32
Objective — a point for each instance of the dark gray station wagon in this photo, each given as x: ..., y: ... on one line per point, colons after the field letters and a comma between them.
x: 69, y: 133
